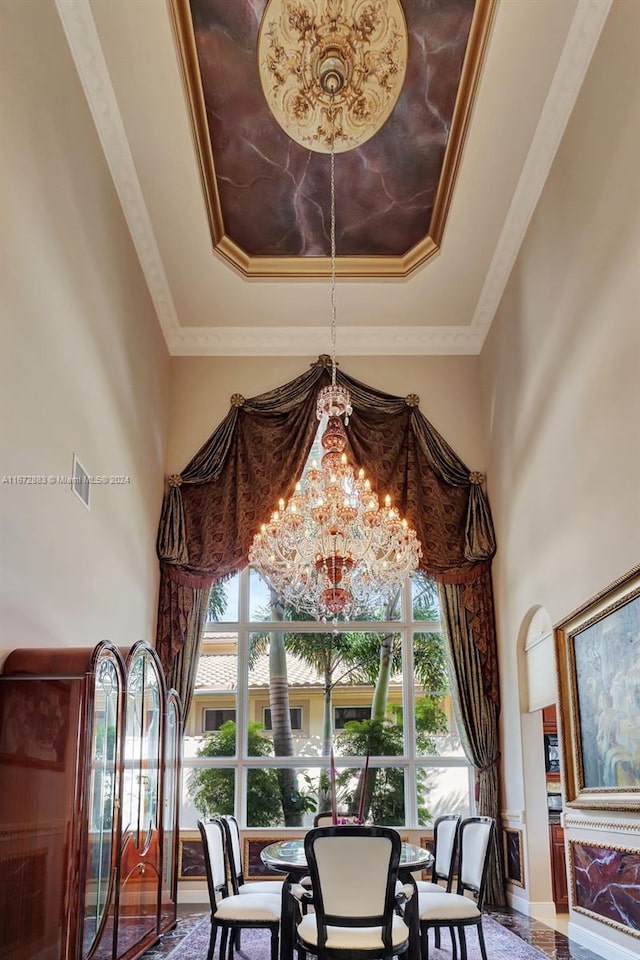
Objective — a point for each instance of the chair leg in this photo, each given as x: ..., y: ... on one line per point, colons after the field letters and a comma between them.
x: 436, y: 936
x: 454, y: 943
x: 223, y: 943
x: 424, y: 943
x: 483, y: 949
x: 463, y: 944
x: 274, y: 943
x: 212, y: 941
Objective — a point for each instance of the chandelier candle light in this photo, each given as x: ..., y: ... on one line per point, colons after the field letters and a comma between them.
x: 332, y: 550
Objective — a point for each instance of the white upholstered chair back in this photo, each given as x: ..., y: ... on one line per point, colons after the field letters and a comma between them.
x: 353, y: 874
x: 447, y: 829
x: 212, y: 834
x: 235, y: 857
x: 475, y: 835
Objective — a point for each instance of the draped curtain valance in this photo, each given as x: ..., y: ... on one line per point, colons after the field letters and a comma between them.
x: 213, y: 509
x: 215, y: 506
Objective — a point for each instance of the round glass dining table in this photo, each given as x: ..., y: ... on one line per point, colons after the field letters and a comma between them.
x: 288, y: 856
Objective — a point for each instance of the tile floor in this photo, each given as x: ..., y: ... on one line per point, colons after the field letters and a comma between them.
x: 545, y: 938
x: 553, y: 944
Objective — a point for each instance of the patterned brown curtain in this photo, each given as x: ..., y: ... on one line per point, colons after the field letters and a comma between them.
x: 184, y: 667
x: 467, y: 614
x: 215, y: 506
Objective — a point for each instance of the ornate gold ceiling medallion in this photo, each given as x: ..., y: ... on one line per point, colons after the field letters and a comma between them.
x: 332, y: 69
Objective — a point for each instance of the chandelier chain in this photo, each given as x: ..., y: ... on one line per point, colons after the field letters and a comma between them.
x: 333, y: 257
x: 333, y: 549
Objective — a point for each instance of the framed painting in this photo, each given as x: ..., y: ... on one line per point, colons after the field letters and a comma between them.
x: 604, y: 881
x: 513, y: 856
x: 191, y: 857
x: 598, y: 657
x: 254, y: 868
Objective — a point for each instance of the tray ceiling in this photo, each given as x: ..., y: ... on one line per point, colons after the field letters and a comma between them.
x: 267, y: 195
x: 228, y: 217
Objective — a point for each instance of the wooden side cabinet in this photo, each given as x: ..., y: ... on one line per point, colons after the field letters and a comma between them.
x: 89, y: 767
x: 558, y: 868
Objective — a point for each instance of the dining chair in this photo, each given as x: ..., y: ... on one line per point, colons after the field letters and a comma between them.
x: 445, y: 841
x: 456, y: 911
x: 232, y: 912
x: 234, y: 857
x: 353, y: 872
x: 326, y: 819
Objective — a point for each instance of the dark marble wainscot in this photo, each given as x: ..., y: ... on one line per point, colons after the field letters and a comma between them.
x: 607, y: 882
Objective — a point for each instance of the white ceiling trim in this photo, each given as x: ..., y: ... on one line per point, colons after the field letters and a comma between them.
x: 84, y: 43
x: 582, y: 38
x: 303, y: 341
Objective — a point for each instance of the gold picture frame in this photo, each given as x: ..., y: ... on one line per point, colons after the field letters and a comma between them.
x: 253, y: 867
x: 591, y: 862
x: 427, y: 843
x: 513, y: 856
x: 598, y: 658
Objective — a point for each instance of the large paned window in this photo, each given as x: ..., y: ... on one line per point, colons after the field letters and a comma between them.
x: 278, y: 694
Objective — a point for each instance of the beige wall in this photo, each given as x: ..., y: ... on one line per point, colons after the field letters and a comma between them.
x: 562, y: 391
x: 449, y: 390
x: 84, y: 367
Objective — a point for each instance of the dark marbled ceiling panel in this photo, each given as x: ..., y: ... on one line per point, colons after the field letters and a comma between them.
x: 274, y: 194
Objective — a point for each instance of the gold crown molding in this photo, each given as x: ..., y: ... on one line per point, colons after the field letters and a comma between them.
x: 297, y: 267
x: 479, y: 33
x: 185, y: 38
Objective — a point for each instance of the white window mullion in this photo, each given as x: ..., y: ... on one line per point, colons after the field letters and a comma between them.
x: 242, y: 705
x: 409, y: 709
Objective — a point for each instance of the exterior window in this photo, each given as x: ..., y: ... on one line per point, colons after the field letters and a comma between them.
x: 213, y: 719
x: 344, y: 714
x: 294, y: 712
x: 375, y: 688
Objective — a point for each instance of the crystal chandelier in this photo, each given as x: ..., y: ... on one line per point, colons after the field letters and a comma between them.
x: 333, y: 550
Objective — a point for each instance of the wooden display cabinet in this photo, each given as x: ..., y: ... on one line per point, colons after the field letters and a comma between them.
x: 89, y: 765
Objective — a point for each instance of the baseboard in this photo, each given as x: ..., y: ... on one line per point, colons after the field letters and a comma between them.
x: 602, y: 946
x: 543, y: 910
x: 193, y: 896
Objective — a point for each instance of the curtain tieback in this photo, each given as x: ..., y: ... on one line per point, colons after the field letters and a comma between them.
x: 484, y: 769
x: 492, y: 763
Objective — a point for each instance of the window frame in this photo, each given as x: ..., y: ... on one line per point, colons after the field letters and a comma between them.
x: 206, y: 710
x: 292, y: 707
x: 410, y: 760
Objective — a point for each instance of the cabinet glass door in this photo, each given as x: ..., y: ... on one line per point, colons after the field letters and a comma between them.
x: 140, y: 863
x: 169, y: 812
x: 100, y: 867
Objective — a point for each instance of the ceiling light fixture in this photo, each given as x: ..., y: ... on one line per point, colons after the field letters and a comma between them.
x: 332, y: 550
